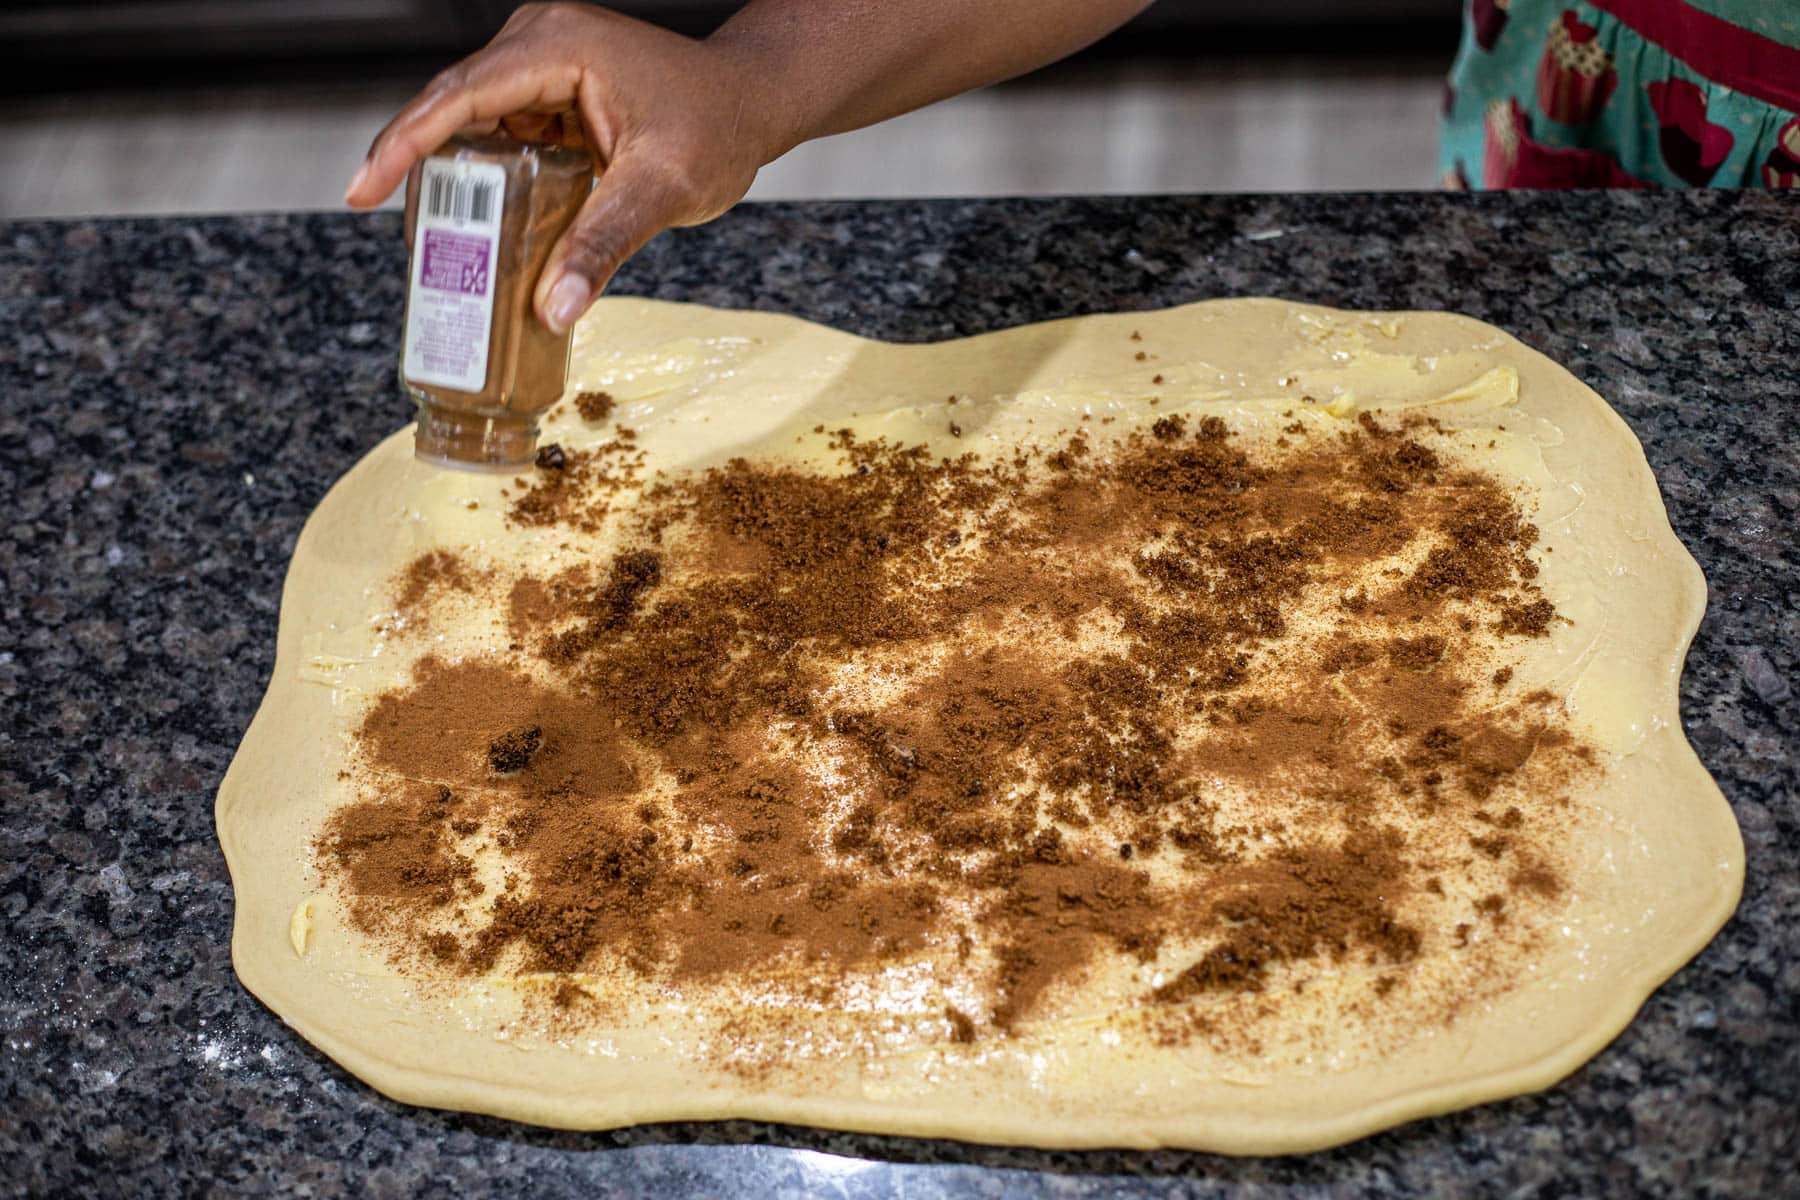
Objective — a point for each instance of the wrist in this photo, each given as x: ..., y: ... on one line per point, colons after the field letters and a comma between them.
x: 771, y: 117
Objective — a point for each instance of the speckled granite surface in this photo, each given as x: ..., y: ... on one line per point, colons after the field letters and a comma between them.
x: 176, y: 395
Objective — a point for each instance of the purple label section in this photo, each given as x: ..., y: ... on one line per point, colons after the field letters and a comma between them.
x: 454, y: 262
x: 451, y: 343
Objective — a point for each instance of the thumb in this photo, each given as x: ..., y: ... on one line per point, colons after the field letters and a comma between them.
x: 628, y: 206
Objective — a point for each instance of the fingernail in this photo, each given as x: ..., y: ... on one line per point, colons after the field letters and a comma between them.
x: 356, y: 180
x: 568, y: 297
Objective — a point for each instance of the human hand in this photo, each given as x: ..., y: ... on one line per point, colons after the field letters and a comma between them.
x: 678, y: 128
x: 665, y: 117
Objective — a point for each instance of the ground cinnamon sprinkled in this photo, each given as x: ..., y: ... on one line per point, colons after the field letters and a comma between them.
x: 1300, y: 904
x: 430, y: 575
x: 399, y: 853
x: 428, y: 581
x: 594, y: 406
x: 1202, y: 710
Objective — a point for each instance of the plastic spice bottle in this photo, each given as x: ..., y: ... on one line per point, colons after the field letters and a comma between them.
x: 474, y: 357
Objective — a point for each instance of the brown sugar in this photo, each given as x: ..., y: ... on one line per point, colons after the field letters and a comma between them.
x: 1529, y: 619
x: 594, y: 406
x: 1026, y: 715
x: 512, y: 751
x: 574, y: 488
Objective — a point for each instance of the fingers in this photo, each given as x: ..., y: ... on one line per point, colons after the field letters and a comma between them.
x: 561, y: 128
x: 629, y: 206
x: 477, y: 92
x: 531, y: 127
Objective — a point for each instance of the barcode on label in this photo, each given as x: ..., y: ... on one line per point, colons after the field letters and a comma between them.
x: 460, y: 199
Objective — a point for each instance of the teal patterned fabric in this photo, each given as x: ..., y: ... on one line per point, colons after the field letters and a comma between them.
x: 1553, y: 93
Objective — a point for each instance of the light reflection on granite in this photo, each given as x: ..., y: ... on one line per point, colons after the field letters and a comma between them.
x: 178, y: 394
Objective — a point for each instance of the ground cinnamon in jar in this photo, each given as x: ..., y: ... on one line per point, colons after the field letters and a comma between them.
x: 475, y: 358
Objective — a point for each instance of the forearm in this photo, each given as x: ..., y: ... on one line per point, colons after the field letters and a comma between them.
x: 678, y: 128
x: 820, y: 67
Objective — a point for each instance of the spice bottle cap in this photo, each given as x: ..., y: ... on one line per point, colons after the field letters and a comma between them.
x: 449, y: 437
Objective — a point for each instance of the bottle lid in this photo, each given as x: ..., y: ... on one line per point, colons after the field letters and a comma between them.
x: 467, y: 441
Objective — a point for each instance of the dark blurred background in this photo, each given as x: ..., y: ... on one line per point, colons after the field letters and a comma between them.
x: 219, y: 105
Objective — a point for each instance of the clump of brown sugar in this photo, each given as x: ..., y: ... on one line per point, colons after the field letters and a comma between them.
x: 512, y: 751
x: 594, y: 406
x: 1527, y: 619
x: 576, y: 488
x: 1172, y: 698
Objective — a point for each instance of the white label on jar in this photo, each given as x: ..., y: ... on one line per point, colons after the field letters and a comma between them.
x: 456, y: 247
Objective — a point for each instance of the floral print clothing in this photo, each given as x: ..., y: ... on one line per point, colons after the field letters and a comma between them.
x: 1625, y: 93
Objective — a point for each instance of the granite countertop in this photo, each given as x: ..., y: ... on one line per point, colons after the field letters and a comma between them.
x: 176, y: 396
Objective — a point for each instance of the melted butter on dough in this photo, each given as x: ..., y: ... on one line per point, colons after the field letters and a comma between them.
x: 300, y: 928
x: 1657, y: 871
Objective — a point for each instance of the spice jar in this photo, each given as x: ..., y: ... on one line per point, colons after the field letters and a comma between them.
x: 480, y: 365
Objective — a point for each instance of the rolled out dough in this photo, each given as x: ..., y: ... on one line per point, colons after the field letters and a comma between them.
x: 1659, y: 866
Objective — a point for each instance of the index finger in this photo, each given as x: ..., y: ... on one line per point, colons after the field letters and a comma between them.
x: 481, y: 89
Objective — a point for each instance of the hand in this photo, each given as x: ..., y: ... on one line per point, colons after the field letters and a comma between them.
x: 664, y: 116
x: 675, y: 136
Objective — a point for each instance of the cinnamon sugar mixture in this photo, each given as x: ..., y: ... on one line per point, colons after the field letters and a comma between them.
x: 1213, y: 711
